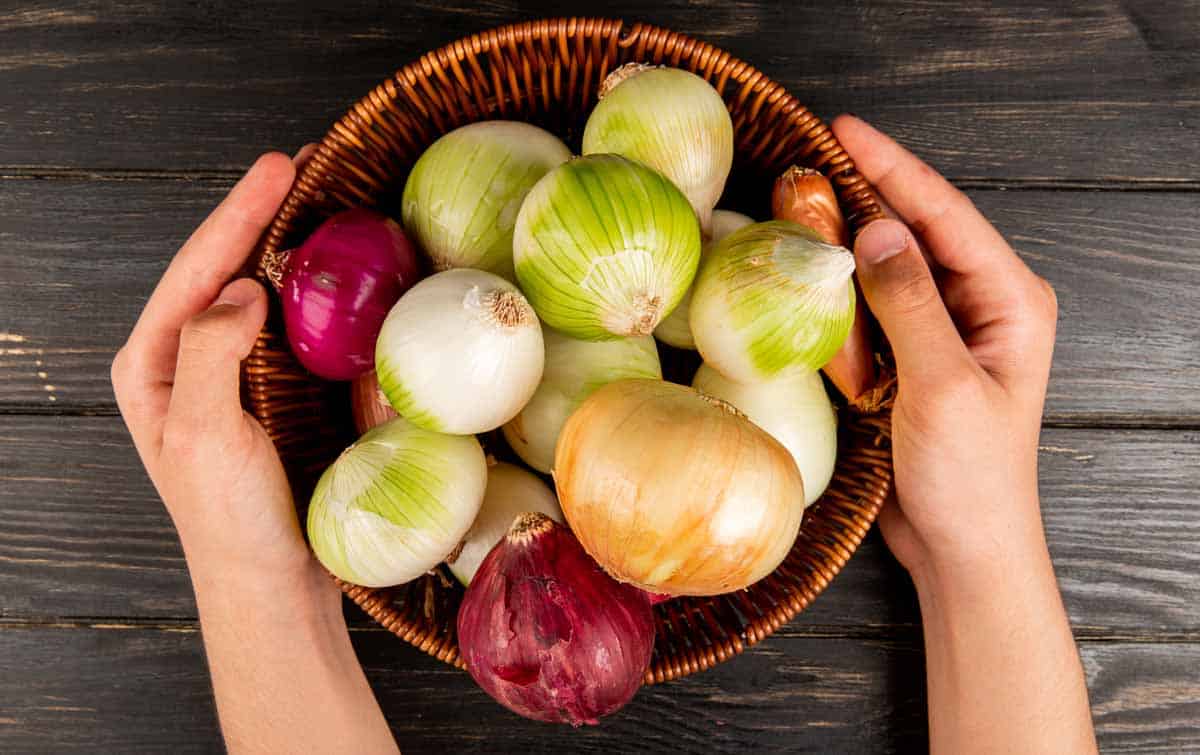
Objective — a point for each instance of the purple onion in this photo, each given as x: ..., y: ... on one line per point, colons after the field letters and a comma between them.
x: 338, y: 288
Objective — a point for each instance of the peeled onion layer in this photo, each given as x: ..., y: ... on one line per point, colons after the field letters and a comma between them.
x: 574, y: 369
x: 676, y: 328
x: 670, y: 120
x: 605, y: 247
x: 511, y: 491
x: 770, y: 298
x: 462, y: 197
x: 676, y: 492
x: 395, y: 503
x: 460, y: 353
x: 795, y: 410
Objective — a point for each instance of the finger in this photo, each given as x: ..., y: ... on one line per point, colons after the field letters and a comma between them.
x: 213, y: 254
x: 206, y: 396
x: 958, y: 237
x: 903, y: 296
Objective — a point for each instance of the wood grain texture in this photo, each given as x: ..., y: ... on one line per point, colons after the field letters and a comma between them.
x: 85, y: 535
x: 1095, y: 90
x: 146, y: 690
x: 80, y: 258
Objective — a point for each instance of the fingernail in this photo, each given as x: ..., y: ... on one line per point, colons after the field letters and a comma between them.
x: 240, y: 293
x: 880, y: 240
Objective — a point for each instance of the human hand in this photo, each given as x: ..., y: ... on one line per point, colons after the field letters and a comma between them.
x: 972, y: 330
x: 176, y: 381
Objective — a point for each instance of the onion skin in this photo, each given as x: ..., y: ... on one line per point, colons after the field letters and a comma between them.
x: 368, y: 405
x: 548, y: 634
x: 338, y: 288
x: 676, y: 492
x: 805, y: 196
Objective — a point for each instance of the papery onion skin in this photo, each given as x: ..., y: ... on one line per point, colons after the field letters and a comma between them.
x: 573, y: 370
x: 770, y: 298
x: 795, y: 410
x: 462, y: 197
x: 460, y: 353
x: 395, y: 503
x: 368, y: 406
x: 605, y: 247
x: 511, y: 491
x: 671, y: 120
x: 676, y: 492
x: 676, y: 328
x: 338, y: 287
x: 548, y: 634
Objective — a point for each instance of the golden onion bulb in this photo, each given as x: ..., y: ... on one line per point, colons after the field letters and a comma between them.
x: 674, y: 491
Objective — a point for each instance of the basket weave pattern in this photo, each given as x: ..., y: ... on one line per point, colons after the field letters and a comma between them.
x: 548, y: 73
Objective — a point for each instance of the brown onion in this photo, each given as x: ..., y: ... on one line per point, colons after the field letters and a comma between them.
x: 368, y: 405
x: 547, y: 633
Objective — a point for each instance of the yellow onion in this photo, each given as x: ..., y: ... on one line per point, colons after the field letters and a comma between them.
x: 368, y: 405
x: 674, y: 491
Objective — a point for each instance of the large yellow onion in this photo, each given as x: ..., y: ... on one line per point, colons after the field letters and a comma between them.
x: 674, y: 491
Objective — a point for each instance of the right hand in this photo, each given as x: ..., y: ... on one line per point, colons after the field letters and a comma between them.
x: 972, y: 339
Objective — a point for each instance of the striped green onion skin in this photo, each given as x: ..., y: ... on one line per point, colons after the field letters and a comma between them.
x: 772, y: 298
x: 670, y: 120
x: 462, y: 197
x: 605, y: 248
x: 395, y: 503
x: 574, y: 370
x: 676, y: 328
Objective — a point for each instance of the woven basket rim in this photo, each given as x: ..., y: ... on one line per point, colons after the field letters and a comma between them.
x: 353, y: 160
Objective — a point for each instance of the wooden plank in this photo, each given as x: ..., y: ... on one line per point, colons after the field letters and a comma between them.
x: 85, y: 535
x: 146, y: 690
x: 1094, y: 90
x: 79, y: 258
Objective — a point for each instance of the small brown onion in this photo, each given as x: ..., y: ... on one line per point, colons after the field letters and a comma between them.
x: 368, y: 405
x: 674, y: 491
x: 548, y: 634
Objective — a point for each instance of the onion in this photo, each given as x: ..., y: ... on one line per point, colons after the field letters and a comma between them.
x: 460, y: 353
x: 368, y: 405
x: 670, y: 120
x: 511, y: 491
x: 548, y: 634
x: 461, y: 199
x: 605, y: 247
x: 573, y: 370
x: 338, y: 288
x: 771, y: 298
x: 674, y: 491
x: 676, y: 328
x: 795, y: 410
x: 395, y: 503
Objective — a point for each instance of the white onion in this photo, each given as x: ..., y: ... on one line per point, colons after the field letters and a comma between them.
x: 461, y: 352
x: 795, y: 410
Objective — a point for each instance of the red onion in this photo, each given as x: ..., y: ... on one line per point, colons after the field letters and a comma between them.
x: 547, y: 633
x: 338, y: 288
x: 368, y: 405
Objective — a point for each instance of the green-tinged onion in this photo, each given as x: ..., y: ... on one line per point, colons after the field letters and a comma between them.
x: 670, y: 120
x: 676, y: 329
x: 395, y: 503
x: 461, y: 352
x: 605, y: 247
x: 574, y: 369
x: 511, y: 491
x: 463, y: 194
x: 772, y: 298
x: 795, y: 410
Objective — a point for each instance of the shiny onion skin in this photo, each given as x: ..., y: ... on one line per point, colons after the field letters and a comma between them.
x: 339, y: 286
x: 674, y: 491
x: 368, y: 405
x: 547, y: 633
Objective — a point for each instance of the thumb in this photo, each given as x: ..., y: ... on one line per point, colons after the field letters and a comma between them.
x: 903, y: 296
x: 212, y: 345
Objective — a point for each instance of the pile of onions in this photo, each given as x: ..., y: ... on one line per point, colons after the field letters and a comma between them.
x: 674, y: 491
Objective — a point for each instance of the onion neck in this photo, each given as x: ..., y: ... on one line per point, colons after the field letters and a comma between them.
x: 501, y: 307
x: 621, y: 75
x: 527, y: 526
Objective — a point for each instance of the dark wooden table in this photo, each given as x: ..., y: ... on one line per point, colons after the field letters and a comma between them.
x: 1074, y: 125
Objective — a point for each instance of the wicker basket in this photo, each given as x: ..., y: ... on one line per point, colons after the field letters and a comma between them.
x: 548, y: 73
